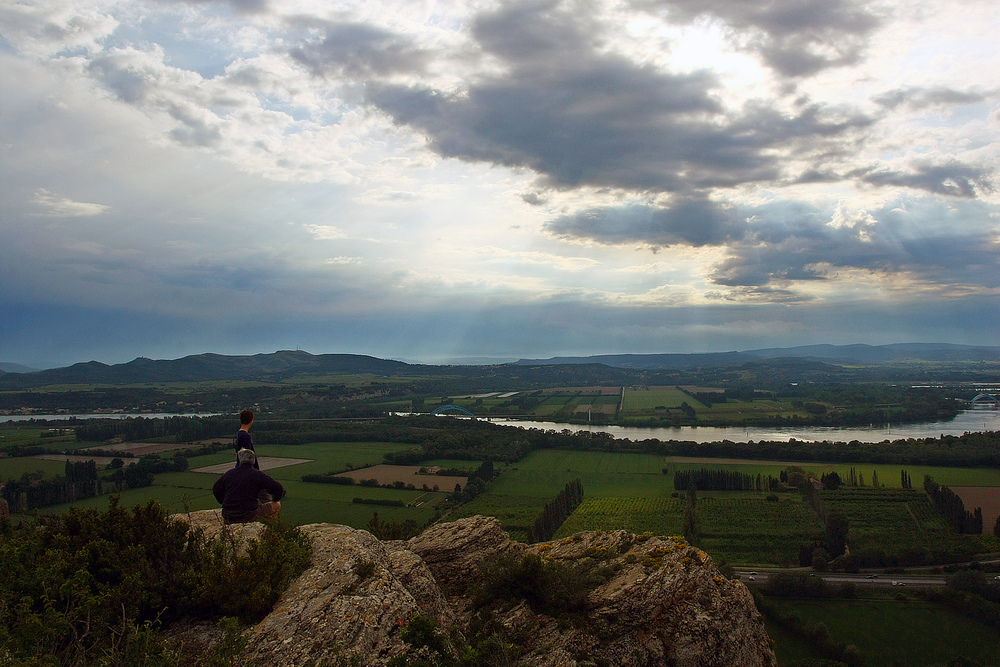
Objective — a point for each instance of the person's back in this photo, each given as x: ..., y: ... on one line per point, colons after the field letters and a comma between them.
x: 239, y: 491
x: 243, y: 439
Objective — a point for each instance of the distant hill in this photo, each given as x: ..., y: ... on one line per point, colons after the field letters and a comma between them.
x: 817, y: 360
x: 15, y: 368
x: 650, y: 361
x: 884, y: 353
x: 201, y: 367
x: 867, y: 354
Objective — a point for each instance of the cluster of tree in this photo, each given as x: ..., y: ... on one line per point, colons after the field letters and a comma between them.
x: 475, y: 484
x: 132, y: 429
x: 556, y: 511
x: 978, y: 449
x: 905, y: 480
x: 31, y: 492
x: 394, y: 530
x: 972, y: 593
x: 690, y: 526
x: 832, y: 547
x: 706, y: 398
x: 321, y: 478
x: 388, y: 502
x: 721, y: 480
x: 953, y: 508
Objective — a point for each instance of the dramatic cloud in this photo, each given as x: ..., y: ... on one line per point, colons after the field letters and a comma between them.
x: 357, y: 51
x: 796, y: 38
x: 954, y: 179
x: 523, y: 178
x: 578, y: 116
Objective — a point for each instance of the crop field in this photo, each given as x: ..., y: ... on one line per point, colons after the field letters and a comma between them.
x: 745, y: 528
x: 631, y: 492
x: 516, y: 513
x: 650, y: 398
x: 661, y: 516
x: 902, y: 518
x: 387, y: 474
x: 888, y: 474
x: 738, y: 411
x: 898, y: 632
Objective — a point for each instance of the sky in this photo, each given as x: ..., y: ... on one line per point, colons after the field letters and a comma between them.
x: 445, y: 181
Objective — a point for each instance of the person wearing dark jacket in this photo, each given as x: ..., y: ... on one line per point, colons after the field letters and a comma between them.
x: 247, y: 494
x: 243, y: 439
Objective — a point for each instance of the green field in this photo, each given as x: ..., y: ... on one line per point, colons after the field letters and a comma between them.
x: 892, y: 632
x: 631, y: 492
x: 648, y: 400
x: 304, y: 503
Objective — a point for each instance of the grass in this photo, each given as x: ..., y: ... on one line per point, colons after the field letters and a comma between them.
x: 912, y: 632
x: 647, y: 400
x: 304, y: 502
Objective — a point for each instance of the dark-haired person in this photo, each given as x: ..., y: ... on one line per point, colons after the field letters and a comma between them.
x: 247, y: 494
x: 243, y: 439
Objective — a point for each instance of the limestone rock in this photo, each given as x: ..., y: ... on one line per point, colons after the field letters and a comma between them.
x: 664, y: 603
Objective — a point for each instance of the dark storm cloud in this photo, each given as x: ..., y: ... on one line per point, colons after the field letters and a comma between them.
x: 924, y: 238
x: 777, y: 244
x: 795, y: 37
x: 690, y: 222
x: 953, y: 179
x: 579, y: 116
x: 356, y: 50
x: 917, y: 98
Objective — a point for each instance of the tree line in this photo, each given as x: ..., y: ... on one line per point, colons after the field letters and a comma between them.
x: 951, y: 505
x: 555, y: 512
x: 722, y: 480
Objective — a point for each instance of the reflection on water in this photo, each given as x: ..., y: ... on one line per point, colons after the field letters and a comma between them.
x: 967, y: 421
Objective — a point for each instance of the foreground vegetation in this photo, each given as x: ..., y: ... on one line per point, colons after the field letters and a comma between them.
x: 95, y: 587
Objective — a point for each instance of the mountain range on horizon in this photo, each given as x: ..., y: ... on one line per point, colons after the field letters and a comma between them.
x: 284, y: 364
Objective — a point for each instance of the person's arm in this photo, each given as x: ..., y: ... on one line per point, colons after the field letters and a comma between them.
x: 275, y: 488
x: 219, y: 489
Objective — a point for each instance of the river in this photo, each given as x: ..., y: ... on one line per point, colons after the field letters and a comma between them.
x: 966, y: 421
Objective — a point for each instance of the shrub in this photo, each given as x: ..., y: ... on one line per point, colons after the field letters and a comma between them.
x: 92, y: 587
x: 548, y: 586
x: 246, y: 585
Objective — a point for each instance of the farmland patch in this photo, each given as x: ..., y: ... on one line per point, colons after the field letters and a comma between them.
x: 986, y: 497
x: 388, y: 474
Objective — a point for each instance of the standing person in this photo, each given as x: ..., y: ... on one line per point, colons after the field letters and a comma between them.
x: 243, y: 439
x: 247, y: 494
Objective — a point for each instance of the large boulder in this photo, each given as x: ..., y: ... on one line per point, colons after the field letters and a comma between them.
x: 662, y: 603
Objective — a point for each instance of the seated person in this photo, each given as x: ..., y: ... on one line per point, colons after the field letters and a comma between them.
x: 247, y: 494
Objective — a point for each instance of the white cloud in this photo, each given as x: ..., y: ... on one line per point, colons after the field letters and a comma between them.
x: 325, y: 232
x: 54, y: 206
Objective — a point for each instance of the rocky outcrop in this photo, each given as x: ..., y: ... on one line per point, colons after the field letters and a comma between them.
x: 662, y: 603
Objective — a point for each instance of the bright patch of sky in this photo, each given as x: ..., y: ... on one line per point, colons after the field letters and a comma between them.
x: 439, y: 180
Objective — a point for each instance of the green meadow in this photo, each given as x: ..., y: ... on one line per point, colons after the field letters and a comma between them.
x: 888, y: 631
x: 304, y: 503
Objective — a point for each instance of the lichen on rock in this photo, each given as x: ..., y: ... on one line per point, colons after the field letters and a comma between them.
x: 663, y: 602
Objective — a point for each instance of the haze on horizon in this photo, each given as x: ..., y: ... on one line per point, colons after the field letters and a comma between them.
x: 440, y: 180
